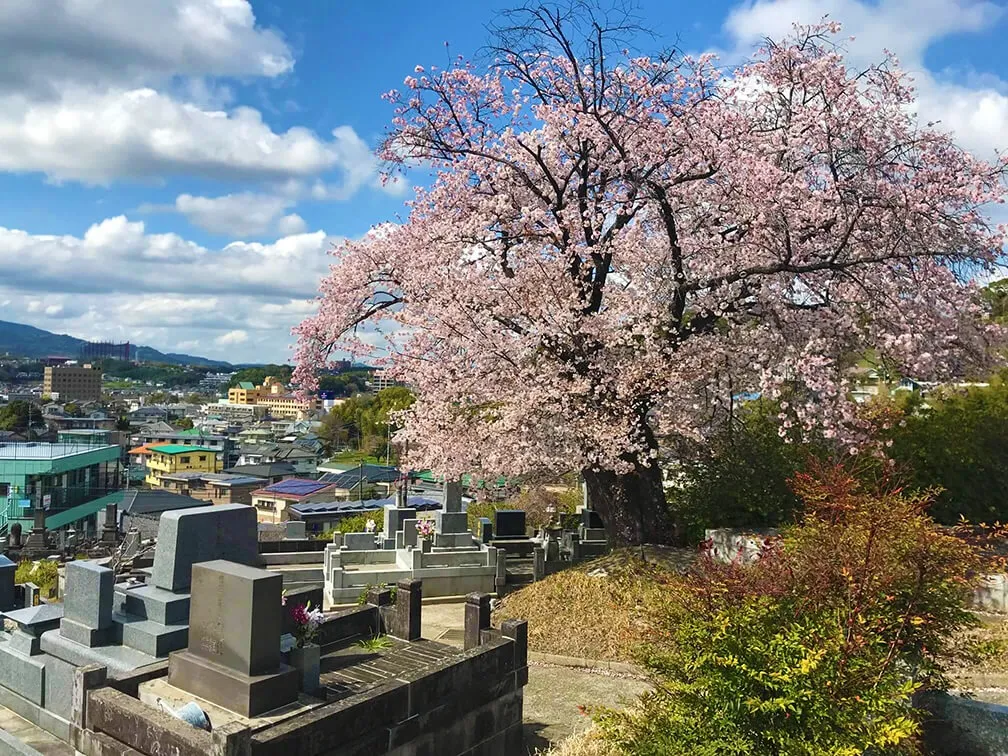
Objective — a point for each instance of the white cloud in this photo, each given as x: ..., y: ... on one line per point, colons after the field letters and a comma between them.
x: 971, y: 106
x: 242, y: 214
x: 232, y: 337
x: 292, y: 224
x: 50, y: 44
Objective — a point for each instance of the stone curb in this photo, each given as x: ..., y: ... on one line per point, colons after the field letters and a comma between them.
x: 575, y: 662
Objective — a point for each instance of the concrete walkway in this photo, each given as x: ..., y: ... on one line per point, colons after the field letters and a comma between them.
x: 19, y: 736
x: 553, y: 693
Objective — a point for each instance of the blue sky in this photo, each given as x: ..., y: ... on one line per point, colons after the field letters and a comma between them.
x: 173, y: 171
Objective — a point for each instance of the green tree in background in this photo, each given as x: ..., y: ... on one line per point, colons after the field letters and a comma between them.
x: 17, y: 416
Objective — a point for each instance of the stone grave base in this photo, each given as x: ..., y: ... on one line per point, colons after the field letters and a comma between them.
x: 160, y: 689
x: 248, y: 695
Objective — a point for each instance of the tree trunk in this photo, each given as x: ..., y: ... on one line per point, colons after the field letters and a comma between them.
x: 632, y: 506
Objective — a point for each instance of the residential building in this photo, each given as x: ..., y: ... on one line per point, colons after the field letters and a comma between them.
x: 56, y: 476
x: 72, y: 382
x: 274, y: 397
x: 215, y: 488
x: 271, y: 502
x: 273, y: 472
x: 192, y: 437
x: 362, y: 482
x: 167, y: 459
x: 305, y: 461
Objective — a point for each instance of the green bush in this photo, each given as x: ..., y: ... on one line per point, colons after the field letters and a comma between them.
x: 352, y: 524
x: 44, y: 574
x: 816, y: 648
x: 740, y: 478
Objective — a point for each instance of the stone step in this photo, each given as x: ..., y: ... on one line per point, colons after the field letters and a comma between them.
x: 307, y: 574
x: 150, y: 637
x: 157, y: 604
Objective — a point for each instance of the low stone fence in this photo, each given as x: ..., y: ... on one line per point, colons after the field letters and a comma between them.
x: 963, y: 727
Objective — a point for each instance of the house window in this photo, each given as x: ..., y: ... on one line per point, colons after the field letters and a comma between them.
x: 184, y: 460
x: 202, y: 458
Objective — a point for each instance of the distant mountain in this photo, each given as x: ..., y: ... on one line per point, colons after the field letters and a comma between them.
x: 27, y: 341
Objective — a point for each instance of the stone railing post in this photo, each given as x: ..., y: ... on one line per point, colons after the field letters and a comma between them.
x: 477, y: 618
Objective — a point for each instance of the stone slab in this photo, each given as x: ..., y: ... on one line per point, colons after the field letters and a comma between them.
x: 84, y: 635
x: 235, y: 616
x: 591, y: 519
x: 453, y: 540
x: 189, y: 536
x: 59, y: 676
x: 359, y: 541
x: 153, y: 638
x: 451, y: 522
x: 36, y: 620
x: 23, y: 674
x: 593, y: 534
x: 248, y: 695
x: 509, y: 523
x: 295, y: 530
x: 23, y: 643
x: 120, y: 660
x: 88, y: 596
x: 409, y: 533
x: 157, y: 604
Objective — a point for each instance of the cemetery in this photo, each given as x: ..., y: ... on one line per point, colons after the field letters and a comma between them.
x: 207, y: 635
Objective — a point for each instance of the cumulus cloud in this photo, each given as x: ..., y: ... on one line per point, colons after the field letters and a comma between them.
x: 241, y: 214
x: 973, y: 107
x: 50, y: 44
x: 230, y: 338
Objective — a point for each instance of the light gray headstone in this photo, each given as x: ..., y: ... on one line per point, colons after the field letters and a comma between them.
x: 88, y: 596
x: 394, y: 517
x: 296, y: 530
x: 451, y: 522
x: 202, y: 534
x: 409, y: 533
x: 359, y: 541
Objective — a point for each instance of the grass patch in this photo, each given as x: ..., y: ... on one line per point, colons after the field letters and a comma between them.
x: 587, y: 743
x: 376, y: 643
x: 603, y: 609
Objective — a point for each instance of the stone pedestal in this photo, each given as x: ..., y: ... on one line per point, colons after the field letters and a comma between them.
x: 87, y: 604
x: 110, y: 528
x: 233, y: 658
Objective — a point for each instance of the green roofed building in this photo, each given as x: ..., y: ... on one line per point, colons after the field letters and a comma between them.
x: 56, y: 476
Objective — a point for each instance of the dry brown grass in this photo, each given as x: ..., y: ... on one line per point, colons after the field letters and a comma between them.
x: 582, y: 744
x: 574, y: 613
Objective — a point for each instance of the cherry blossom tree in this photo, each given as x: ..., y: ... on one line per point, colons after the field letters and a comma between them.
x: 613, y: 247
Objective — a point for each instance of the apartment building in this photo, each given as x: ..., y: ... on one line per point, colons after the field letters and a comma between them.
x: 168, y: 459
x: 72, y: 382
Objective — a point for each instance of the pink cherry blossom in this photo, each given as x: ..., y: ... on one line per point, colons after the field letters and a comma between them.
x: 612, y: 248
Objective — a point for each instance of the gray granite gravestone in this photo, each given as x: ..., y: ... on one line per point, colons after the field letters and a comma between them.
x: 7, y: 571
x: 485, y: 530
x: 591, y: 519
x: 394, y: 518
x: 233, y: 658
x: 452, y: 496
x: 188, y: 536
x: 409, y: 533
x: 509, y: 523
x: 31, y: 622
x: 87, y: 603
x: 359, y: 541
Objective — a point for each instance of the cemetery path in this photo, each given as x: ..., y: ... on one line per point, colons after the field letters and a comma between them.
x: 553, y: 693
x: 28, y: 738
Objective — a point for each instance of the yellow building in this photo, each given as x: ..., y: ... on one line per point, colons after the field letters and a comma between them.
x: 167, y: 459
x: 274, y: 396
x: 72, y: 382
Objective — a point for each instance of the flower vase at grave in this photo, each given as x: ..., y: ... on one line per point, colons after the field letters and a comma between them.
x: 307, y: 661
x: 425, y: 545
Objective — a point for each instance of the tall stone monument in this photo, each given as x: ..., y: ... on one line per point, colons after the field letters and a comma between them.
x: 451, y: 523
x: 233, y: 658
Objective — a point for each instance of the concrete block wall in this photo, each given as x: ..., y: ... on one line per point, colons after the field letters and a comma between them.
x: 961, y: 726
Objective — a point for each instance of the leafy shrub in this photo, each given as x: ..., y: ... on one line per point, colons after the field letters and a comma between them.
x: 44, y: 573
x: 817, y: 647
x: 352, y: 524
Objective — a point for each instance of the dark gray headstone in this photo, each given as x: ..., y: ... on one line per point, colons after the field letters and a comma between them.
x: 189, y: 536
x: 452, y: 496
x: 235, y: 616
x: 360, y: 541
x: 15, y: 533
x: 7, y: 571
x: 485, y: 530
x: 591, y: 519
x: 509, y: 523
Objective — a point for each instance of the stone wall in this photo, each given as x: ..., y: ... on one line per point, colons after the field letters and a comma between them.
x: 963, y: 727
x: 729, y: 545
